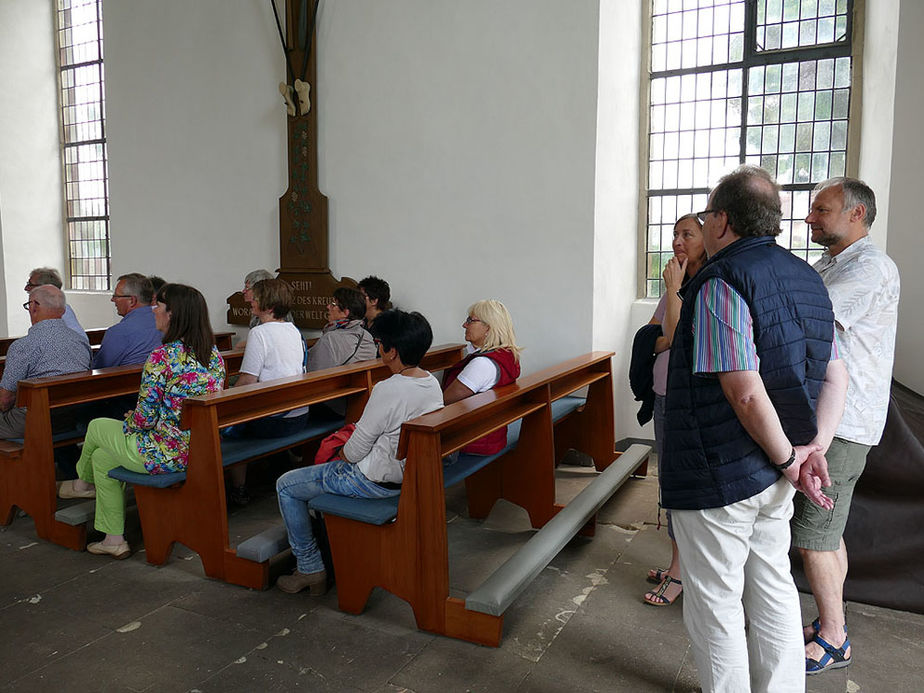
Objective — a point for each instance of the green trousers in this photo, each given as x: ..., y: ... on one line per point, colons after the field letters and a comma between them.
x: 105, y: 447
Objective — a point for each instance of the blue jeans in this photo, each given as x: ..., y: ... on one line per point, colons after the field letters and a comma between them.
x: 297, y: 487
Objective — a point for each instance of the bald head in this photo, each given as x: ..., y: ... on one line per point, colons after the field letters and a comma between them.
x: 46, y: 302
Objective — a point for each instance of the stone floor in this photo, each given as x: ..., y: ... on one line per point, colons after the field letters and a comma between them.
x: 77, y: 622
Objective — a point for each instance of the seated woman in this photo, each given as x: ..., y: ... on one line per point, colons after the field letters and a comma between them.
x: 369, y: 467
x: 343, y: 339
x: 150, y: 440
x: 376, y: 293
x: 494, y: 360
x: 275, y: 349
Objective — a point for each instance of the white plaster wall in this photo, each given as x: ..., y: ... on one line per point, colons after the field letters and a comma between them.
x: 905, y: 246
x: 880, y: 52
x: 30, y: 164
x: 617, y: 189
x: 456, y: 146
x: 196, y: 139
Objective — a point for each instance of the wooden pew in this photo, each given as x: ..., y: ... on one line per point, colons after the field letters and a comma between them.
x: 190, y: 507
x: 27, y: 470
x: 400, y: 544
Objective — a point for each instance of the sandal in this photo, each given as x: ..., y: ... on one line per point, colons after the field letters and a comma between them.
x: 657, y: 598
x: 816, y: 626
x: 833, y: 658
x: 656, y: 575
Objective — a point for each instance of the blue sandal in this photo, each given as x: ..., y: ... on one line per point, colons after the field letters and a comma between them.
x: 833, y: 658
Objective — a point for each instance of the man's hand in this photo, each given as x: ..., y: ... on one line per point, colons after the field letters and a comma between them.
x: 813, y: 476
x: 7, y: 399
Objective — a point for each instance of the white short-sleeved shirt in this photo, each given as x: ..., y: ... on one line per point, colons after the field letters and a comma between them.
x: 864, y: 287
x: 480, y: 374
x: 274, y: 350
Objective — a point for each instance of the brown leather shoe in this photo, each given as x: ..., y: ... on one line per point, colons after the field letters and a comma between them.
x: 296, y: 582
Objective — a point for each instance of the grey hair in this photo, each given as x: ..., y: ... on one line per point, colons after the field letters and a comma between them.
x: 257, y: 275
x: 46, y: 275
x: 139, y: 286
x: 856, y: 192
x: 51, y: 297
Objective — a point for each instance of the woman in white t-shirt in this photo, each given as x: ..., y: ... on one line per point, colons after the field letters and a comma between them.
x: 275, y: 349
x: 368, y: 466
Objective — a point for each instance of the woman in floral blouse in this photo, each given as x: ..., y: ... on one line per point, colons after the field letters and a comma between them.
x: 150, y: 440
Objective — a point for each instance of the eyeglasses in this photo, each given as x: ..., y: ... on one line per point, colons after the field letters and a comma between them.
x: 122, y: 296
x: 29, y: 303
x: 469, y: 320
x: 702, y: 215
x: 334, y: 304
x: 30, y: 286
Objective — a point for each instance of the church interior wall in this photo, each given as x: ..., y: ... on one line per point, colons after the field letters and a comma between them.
x: 467, y: 150
x: 905, y: 243
x: 30, y: 159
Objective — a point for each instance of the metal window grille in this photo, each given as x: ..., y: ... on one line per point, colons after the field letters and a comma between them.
x: 763, y: 82
x: 83, y: 138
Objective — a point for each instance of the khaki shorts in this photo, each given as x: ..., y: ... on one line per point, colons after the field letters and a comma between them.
x: 814, y: 528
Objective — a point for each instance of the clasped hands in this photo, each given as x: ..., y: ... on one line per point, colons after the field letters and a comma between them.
x: 809, y: 473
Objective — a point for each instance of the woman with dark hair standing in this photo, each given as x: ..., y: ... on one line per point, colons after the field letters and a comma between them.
x: 369, y: 466
x: 689, y: 257
x: 377, y: 295
x: 150, y: 440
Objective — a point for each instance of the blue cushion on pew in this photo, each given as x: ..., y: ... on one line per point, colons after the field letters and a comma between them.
x: 379, y: 511
x: 71, y: 434
x: 233, y: 450
x: 373, y: 511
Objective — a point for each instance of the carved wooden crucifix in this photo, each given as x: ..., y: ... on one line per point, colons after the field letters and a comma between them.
x: 303, y: 240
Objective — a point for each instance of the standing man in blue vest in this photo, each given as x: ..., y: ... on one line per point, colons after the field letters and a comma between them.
x: 864, y: 287
x: 755, y: 391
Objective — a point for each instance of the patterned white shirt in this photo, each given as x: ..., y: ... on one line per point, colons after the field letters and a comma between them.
x: 864, y: 287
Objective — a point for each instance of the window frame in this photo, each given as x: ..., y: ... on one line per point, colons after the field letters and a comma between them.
x: 103, y: 276
x: 751, y: 57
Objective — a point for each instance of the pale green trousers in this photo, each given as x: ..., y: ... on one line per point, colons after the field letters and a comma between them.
x: 105, y: 447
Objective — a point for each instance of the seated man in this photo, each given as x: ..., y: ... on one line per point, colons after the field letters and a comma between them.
x: 50, y: 348
x: 46, y: 275
x: 135, y: 336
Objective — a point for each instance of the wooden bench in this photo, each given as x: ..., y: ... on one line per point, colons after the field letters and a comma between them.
x: 95, y: 335
x: 27, y: 474
x: 401, y: 545
x: 190, y: 508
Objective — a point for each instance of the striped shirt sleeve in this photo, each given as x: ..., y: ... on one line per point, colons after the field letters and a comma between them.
x: 723, y: 334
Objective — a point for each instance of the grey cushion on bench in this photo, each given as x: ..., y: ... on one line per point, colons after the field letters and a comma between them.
x: 232, y: 451
x: 380, y: 511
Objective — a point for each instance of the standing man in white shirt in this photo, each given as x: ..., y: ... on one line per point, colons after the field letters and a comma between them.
x: 864, y: 287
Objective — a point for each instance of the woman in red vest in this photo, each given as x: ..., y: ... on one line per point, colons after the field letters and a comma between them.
x: 494, y: 361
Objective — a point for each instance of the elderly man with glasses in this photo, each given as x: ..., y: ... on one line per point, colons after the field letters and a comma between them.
x: 47, y: 275
x: 50, y: 348
x: 135, y: 336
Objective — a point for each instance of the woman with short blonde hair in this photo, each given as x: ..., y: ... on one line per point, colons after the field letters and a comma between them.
x: 493, y: 361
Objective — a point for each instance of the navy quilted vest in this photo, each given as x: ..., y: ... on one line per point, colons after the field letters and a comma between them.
x: 709, y: 459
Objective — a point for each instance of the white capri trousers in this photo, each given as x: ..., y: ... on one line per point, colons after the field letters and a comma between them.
x: 735, y: 563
